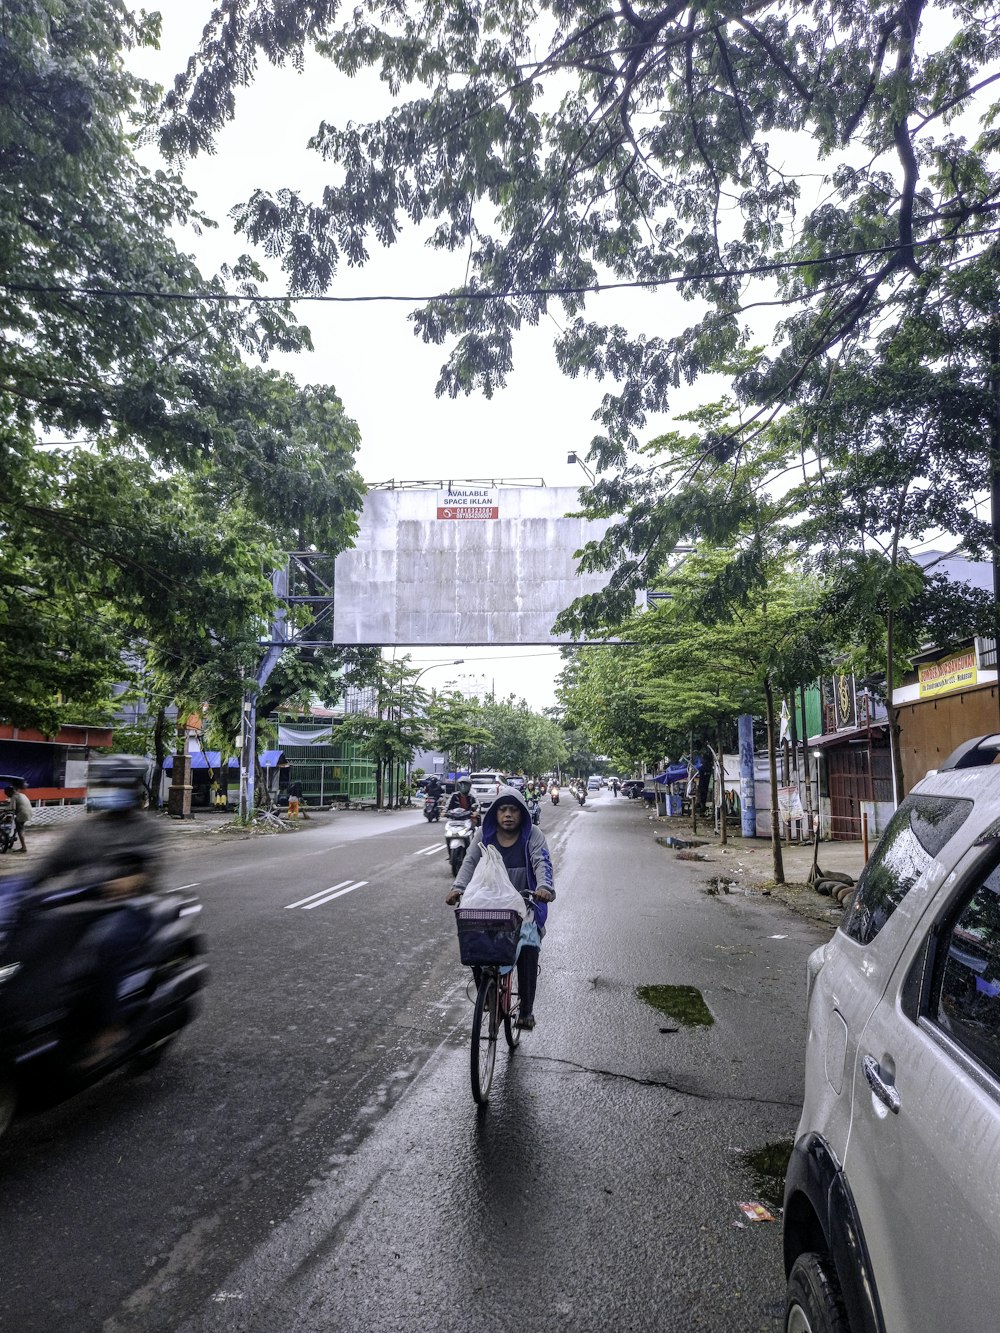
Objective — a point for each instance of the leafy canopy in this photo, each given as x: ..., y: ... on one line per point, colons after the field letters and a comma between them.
x: 154, y: 467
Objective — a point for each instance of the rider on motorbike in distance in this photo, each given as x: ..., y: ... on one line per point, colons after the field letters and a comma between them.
x: 123, y: 847
x: 462, y: 799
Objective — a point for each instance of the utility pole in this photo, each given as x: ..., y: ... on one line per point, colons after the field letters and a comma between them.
x: 248, y: 727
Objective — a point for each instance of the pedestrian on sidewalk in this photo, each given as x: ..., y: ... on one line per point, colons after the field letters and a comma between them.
x: 22, y: 813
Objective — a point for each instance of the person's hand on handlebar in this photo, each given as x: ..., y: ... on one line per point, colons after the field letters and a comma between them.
x: 543, y: 895
x: 453, y: 898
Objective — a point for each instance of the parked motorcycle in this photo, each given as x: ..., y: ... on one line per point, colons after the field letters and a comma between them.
x: 458, y: 831
x: 8, y: 831
x: 47, y: 986
x: 432, y: 809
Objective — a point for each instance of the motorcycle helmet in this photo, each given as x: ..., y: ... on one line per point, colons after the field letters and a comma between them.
x: 116, y: 782
x: 464, y: 786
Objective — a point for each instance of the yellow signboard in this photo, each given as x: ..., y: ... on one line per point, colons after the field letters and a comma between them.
x: 952, y: 673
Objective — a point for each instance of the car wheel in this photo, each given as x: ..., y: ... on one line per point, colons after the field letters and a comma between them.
x: 813, y: 1300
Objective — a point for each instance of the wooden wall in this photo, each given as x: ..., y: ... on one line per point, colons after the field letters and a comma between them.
x: 931, y: 729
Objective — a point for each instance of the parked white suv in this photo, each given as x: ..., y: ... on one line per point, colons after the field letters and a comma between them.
x: 892, y: 1197
x: 485, y: 787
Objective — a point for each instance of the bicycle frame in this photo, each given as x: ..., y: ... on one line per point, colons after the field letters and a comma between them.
x: 497, y: 1001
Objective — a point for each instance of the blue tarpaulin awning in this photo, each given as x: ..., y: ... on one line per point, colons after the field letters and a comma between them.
x: 677, y: 773
x: 213, y: 759
x: 202, y: 759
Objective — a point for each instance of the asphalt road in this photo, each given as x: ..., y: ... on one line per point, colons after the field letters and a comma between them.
x: 308, y: 1157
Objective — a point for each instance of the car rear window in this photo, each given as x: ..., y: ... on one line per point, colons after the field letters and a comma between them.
x: 918, y: 830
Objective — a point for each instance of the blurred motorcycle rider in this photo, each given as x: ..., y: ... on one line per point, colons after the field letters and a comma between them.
x: 120, y: 848
x: 462, y: 799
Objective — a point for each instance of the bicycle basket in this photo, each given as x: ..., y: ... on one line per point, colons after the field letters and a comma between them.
x: 487, y: 935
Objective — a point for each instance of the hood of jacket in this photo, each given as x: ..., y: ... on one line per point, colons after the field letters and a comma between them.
x: 532, y: 839
x: 507, y: 794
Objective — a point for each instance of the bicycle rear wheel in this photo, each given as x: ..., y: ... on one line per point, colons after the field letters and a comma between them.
x: 485, y: 1023
x: 511, y: 1008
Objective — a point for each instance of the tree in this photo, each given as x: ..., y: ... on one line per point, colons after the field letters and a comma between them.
x: 394, y: 727
x: 453, y: 722
x: 602, y: 693
x: 567, y: 145
x: 901, y: 441
x: 519, y: 740
x: 181, y: 467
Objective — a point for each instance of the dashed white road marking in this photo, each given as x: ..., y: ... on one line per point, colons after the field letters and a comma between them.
x: 426, y: 851
x: 321, y: 894
x: 339, y: 894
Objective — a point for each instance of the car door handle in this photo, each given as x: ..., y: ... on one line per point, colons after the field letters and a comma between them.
x: 885, y: 1092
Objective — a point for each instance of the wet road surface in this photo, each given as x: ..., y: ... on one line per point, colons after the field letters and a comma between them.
x: 310, y: 1158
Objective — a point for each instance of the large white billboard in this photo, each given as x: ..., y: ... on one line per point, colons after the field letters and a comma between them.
x: 464, y: 565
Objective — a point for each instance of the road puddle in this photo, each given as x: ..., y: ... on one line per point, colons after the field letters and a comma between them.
x: 721, y: 884
x: 683, y: 1003
x: 766, y: 1168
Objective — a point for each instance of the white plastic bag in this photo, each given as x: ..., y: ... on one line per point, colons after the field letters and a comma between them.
x: 490, y: 886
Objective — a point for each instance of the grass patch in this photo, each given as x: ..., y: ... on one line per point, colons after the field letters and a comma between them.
x: 684, y: 1003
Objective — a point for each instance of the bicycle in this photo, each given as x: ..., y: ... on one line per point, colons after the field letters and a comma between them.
x: 488, y: 943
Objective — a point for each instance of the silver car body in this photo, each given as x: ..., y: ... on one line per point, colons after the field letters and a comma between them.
x: 909, y: 1111
x: 485, y: 787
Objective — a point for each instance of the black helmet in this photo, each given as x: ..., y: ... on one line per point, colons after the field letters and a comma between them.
x: 116, y: 782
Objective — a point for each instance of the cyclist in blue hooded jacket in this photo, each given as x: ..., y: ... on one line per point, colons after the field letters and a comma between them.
x: 507, y: 826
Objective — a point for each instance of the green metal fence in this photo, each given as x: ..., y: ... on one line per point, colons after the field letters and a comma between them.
x: 331, y: 773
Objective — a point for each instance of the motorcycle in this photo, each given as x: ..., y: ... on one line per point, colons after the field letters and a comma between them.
x: 554, y: 795
x: 457, y: 836
x: 47, y: 984
x: 432, y: 809
x: 534, y: 810
x: 580, y: 793
x: 8, y: 831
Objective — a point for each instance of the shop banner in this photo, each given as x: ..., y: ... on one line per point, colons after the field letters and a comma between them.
x: 952, y: 673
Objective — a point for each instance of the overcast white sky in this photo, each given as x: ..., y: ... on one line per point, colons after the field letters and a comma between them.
x: 384, y: 375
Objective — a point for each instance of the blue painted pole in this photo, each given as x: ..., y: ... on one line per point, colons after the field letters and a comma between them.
x: 748, y: 801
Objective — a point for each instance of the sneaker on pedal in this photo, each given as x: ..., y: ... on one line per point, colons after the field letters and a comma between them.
x: 526, y: 1021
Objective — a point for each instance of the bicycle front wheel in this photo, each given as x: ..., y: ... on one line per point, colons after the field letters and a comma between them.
x: 511, y: 1009
x: 485, y: 1022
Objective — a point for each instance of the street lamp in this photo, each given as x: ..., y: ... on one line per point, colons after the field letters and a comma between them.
x: 574, y: 457
x: 459, y: 661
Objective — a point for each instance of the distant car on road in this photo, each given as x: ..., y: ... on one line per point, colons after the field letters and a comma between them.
x: 485, y: 787
x: 594, y: 784
x: 632, y: 787
x: 892, y: 1206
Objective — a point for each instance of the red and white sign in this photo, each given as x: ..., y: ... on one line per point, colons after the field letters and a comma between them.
x: 469, y: 502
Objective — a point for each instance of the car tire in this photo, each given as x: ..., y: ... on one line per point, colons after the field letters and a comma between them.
x: 813, y: 1299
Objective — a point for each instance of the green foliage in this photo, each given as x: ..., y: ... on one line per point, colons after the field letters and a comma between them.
x: 455, y: 726
x: 518, y: 740
x: 562, y: 145
x: 178, y: 471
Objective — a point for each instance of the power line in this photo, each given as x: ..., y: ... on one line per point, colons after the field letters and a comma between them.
x: 483, y: 294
